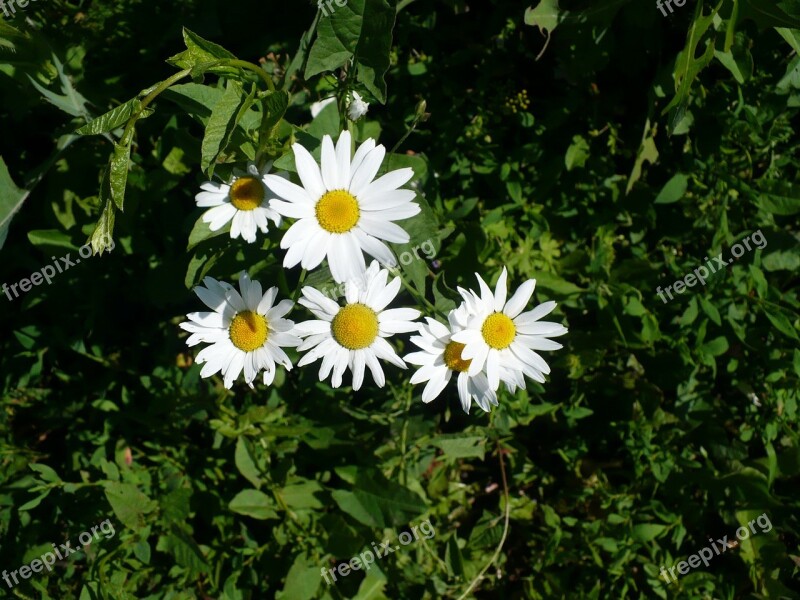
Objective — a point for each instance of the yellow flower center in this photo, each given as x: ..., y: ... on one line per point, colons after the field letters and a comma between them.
x: 248, y: 331
x: 337, y: 211
x: 355, y: 326
x: 452, y: 357
x: 498, y: 330
x: 247, y: 193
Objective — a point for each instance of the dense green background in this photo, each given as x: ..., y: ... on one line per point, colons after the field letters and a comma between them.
x: 606, y: 164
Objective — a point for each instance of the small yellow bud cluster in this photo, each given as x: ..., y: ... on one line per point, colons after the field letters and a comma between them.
x: 518, y: 103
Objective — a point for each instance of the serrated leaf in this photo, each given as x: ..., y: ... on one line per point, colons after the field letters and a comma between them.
x: 200, y: 55
x: 114, y: 118
x: 118, y: 173
x: 224, y: 118
x: 70, y: 100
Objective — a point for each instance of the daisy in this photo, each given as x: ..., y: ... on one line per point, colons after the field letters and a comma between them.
x: 440, y: 357
x: 501, y: 339
x: 246, y: 331
x: 354, y: 335
x: 358, y: 108
x: 341, y: 211
x: 242, y: 202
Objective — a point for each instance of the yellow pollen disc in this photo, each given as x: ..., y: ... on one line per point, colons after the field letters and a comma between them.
x: 452, y: 357
x: 355, y: 326
x: 337, y: 211
x: 498, y: 331
x: 248, y: 331
x: 247, y: 193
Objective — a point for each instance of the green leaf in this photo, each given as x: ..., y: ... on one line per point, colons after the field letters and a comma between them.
x: 246, y: 463
x: 546, y: 16
x: 102, y: 237
x: 769, y: 13
x: 716, y: 347
x: 577, y: 153
x: 360, y: 29
x: 779, y: 197
x: 69, y: 101
x: 300, y: 495
x: 51, y: 238
x: 302, y: 580
x: 276, y: 104
x: 253, y: 503
x: 461, y: 446
x: 673, y: 190
x: 114, y: 118
x: 200, y: 54
x: 224, y: 118
x: 781, y: 323
x: 11, y: 200
x: 710, y: 310
x: 646, y: 532
x: 118, y: 173
x: 378, y: 502
x: 31, y: 504
x: 647, y: 152
x: 185, y: 550
x: 129, y: 504
x: 372, y: 587
x: 687, y: 64
x: 45, y: 473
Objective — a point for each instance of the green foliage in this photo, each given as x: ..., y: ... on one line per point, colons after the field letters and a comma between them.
x: 606, y: 151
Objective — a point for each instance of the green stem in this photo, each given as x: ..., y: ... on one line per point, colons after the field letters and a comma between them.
x: 480, y: 575
x: 403, y: 439
x: 255, y: 68
x: 300, y: 282
x: 417, y: 296
x: 149, y: 98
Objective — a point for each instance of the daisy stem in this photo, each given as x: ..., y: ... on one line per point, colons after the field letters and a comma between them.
x: 479, y: 576
x: 417, y: 296
x: 300, y: 282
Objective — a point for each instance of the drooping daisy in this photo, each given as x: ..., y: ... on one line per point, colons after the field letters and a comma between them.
x: 501, y: 338
x: 357, y: 108
x: 340, y: 209
x: 243, y: 202
x: 354, y: 335
x: 440, y: 357
x: 246, y: 331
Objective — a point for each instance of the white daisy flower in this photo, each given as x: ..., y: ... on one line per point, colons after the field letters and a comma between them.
x: 354, y: 335
x: 243, y: 202
x: 340, y: 209
x: 440, y: 357
x: 246, y: 331
x: 501, y: 338
x: 358, y: 108
x: 317, y: 107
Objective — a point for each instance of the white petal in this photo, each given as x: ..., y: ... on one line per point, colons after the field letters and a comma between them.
x: 218, y: 216
x: 206, y: 199
x: 374, y: 225
x: 367, y: 170
x: 330, y: 174
x: 361, y: 153
x: 375, y: 367
x: 535, y: 314
x: 520, y: 299
x: 308, y: 171
x: 283, y: 188
x: 359, y: 363
x: 501, y: 291
x: 384, y: 185
x: 293, y: 210
x: 343, y: 158
x: 375, y: 248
